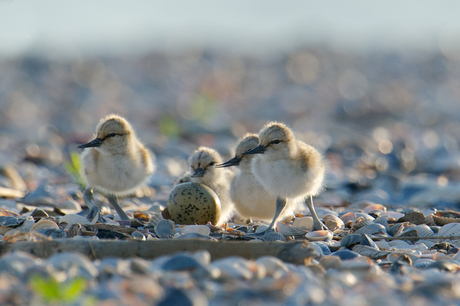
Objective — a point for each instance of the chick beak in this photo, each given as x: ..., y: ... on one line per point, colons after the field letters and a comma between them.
x: 235, y: 161
x: 198, y: 172
x: 93, y: 143
x: 257, y: 150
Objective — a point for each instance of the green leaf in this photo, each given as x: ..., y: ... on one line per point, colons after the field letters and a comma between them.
x: 74, y: 289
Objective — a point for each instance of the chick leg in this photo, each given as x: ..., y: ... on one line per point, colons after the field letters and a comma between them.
x: 114, y: 202
x: 317, y: 224
x: 94, y: 210
x: 280, y: 204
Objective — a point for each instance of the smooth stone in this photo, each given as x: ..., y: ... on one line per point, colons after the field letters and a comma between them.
x: 193, y: 203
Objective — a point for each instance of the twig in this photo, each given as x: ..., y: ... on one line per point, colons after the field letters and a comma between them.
x: 409, y: 238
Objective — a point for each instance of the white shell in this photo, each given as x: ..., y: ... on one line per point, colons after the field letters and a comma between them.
x: 155, y: 218
x: 272, y: 264
x: 199, y: 229
x: 333, y: 223
x: 361, y: 222
x: 349, y: 216
x: 289, y: 230
x: 273, y: 236
x: 73, y: 219
x: 451, y: 229
x: 303, y: 223
x: 399, y: 243
x: 44, y: 223
x: 424, y: 230
x: 319, y: 235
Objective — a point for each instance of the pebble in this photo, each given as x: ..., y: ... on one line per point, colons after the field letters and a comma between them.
x: 396, y: 178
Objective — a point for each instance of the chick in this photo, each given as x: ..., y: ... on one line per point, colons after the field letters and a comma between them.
x: 116, y: 163
x: 289, y: 168
x: 204, y: 171
x: 250, y: 197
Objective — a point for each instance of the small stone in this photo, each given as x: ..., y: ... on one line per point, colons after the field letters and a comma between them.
x: 413, y: 217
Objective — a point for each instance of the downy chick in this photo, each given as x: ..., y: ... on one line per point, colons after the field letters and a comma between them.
x: 203, y: 170
x: 289, y: 168
x: 250, y: 197
x: 115, y: 163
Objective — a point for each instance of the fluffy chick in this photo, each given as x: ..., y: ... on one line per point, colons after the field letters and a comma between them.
x: 115, y: 163
x: 250, y: 197
x: 289, y: 168
x: 204, y: 171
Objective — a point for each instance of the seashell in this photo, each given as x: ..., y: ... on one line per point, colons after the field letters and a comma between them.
x: 73, y: 219
x: 361, y: 222
x: 109, y: 234
x: 392, y: 214
x: 364, y: 216
x: 325, y: 250
x: 396, y: 229
x: 383, y: 245
x: 289, y: 230
x: 271, y: 264
x: 37, y: 214
x: 273, y: 236
x: 69, y: 207
x: 443, y: 218
x: 303, y: 223
x: 350, y: 240
x: 8, y: 223
x: 195, y: 236
x: 333, y: 223
x: 399, y: 243
x: 138, y: 235
x: 422, y: 263
x: 374, y: 207
x: 319, y: 235
x: 154, y: 219
x: 384, y: 221
x: 260, y: 228
x: 349, y: 216
x: 52, y: 233
x: 142, y: 216
x: 370, y: 252
x: 345, y: 254
x: 443, y: 265
x: 44, y: 223
x: 199, y: 229
x: 450, y: 229
x: 372, y: 229
x: 193, y: 203
x: 165, y: 228
x: 366, y: 240
x: 423, y: 230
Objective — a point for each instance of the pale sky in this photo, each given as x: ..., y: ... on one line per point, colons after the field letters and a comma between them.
x: 86, y: 27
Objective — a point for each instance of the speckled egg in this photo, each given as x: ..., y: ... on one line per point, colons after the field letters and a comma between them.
x: 193, y: 203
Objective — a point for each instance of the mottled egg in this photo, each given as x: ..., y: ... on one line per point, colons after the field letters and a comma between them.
x: 193, y: 203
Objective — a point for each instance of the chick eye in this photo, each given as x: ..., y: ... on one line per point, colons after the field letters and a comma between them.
x: 276, y: 141
x: 211, y: 164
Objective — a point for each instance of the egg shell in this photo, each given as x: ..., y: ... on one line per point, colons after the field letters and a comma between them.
x: 193, y: 203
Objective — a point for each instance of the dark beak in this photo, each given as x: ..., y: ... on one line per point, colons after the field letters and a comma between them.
x: 257, y: 150
x: 93, y: 143
x: 235, y: 161
x: 198, y: 172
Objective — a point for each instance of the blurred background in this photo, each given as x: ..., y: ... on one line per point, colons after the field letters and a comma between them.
x: 375, y: 86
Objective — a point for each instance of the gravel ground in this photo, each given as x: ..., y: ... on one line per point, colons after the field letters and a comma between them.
x: 388, y: 124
